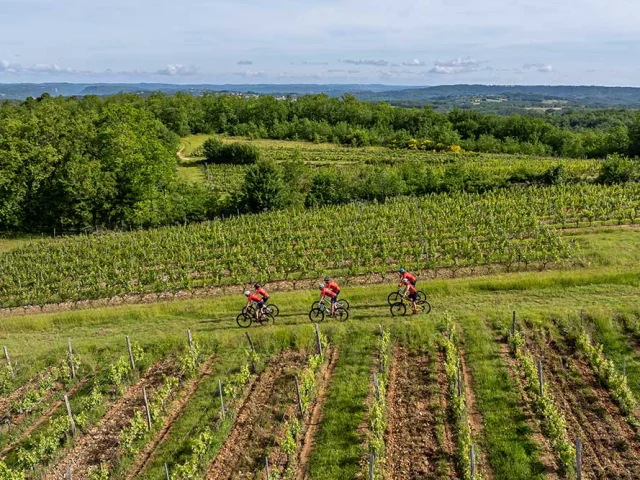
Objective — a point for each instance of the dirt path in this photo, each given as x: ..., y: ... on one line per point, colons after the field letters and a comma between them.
x: 411, y: 437
x: 308, y: 442
x: 545, y: 454
x: 610, y: 446
x: 7, y: 401
x: 475, y: 419
x: 48, y: 413
x: 182, y: 399
x: 180, y: 155
x: 258, y: 420
x: 102, y: 440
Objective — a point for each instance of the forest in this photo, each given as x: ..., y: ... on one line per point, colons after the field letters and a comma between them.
x: 80, y: 164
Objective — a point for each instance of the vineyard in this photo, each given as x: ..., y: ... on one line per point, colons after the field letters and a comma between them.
x: 514, y: 229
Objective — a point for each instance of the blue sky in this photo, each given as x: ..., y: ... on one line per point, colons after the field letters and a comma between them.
x: 402, y: 42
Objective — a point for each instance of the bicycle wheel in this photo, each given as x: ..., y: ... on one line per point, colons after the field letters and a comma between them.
x: 394, y: 297
x: 398, y: 309
x: 316, y: 315
x: 273, y: 309
x: 342, y: 314
x: 267, y: 319
x: 422, y: 297
x: 344, y: 304
x: 426, y: 306
x: 244, y: 320
x: 315, y: 304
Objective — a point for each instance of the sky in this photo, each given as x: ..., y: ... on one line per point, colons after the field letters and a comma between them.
x: 399, y: 42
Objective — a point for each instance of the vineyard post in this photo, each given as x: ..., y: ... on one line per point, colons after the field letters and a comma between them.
x: 71, y: 420
x: 624, y: 367
x: 318, y: 341
x: 73, y: 367
x: 221, y: 399
x: 299, y: 397
x: 266, y: 466
x: 69, y: 477
x: 540, y: 379
x: 472, y: 461
x: 146, y: 407
x: 372, y: 462
x: 513, y: 323
x: 253, y: 348
x: 582, y: 318
x: 190, y: 339
x: 166, y: 471
x: 131, y: 359
x: 459, y: 381
x: 376, y: 385
x: 579, y: 458
x: 6, y: 355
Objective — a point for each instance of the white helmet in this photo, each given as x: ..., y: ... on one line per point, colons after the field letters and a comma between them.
x: 321, y: 285
x: 246, y: 293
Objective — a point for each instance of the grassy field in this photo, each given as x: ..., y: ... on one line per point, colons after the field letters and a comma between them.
x: 504, y: 429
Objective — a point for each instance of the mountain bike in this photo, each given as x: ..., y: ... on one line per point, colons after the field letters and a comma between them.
x: 395, y: 297
x: 317, y: 314
x: 399, y: 309
x: 340, y: 303
x: 272, y: 308
x: 247, y: 317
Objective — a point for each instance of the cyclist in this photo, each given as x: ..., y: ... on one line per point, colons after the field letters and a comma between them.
x: 335, y: 288
x: 262, y: 292
x: 253, y: 298
x: 327, y: 292
x: 404, y: 274
x: 411, y: 293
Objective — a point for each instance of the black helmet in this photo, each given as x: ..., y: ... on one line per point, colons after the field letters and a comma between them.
x: 326, y: 279
x: 256, y: 285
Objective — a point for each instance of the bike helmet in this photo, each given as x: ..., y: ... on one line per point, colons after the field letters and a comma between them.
x: 326, y: 279
x: 405, y: 281
x: 321, y: 286
x: 256, y: 285
x: 401, y: 270
x: 246, y: 293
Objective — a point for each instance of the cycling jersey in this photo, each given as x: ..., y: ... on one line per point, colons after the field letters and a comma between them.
x: 327, y: 292
x: 333, y: 286
x: 254, y: 298
x: 408, y: 276
x: 411, y: 290
x: 263, y: 292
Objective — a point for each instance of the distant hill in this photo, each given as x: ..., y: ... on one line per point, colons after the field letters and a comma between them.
x: 494, y: 98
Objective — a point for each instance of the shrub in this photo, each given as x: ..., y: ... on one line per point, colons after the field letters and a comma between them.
x: 215, y: 151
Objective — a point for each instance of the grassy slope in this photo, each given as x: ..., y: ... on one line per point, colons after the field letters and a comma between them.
x: 610, y: 284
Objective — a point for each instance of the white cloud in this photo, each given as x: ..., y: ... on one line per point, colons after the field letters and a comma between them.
x: 537, y: 67
x: 414, y: 63
x: 371, y: 63
x: 456, y: 66
x: 177, y: 69
x: 251, y: 74
x: 245, y: 62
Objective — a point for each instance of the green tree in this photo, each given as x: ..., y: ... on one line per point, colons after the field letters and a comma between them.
x: 263, y: 188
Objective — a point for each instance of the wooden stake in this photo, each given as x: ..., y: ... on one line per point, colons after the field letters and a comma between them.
x: 376, y: 385
x: 73, y: 367
x: 69, y: 473
x: 540, y: 379
x: 299, y: 397
x: 166, y: 471
x: 190, y: 339
x: 513, y: 323
x: 318, y: 341
x: 146, y: 407
x: 459, y: 381
x: 624, y: 367
x: 6, y: 355
x: 266, y: 466
x: 221, y: 399
x: 253, y: 348
x: 71, y: 421
x: 372, y: 463
x: 131, y: 359
x: 472, y: 459
x: 579, y: 458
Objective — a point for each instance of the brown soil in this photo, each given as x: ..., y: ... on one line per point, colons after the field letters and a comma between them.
x: 411, y: 437
x: 101, y: 442
x: 5, y: 402
x: 610, y: 446
x: 308, y: 442
x: 182, y: 399
x: 545, y: 453
x: 259, y: 417
x: 475, y: 419
x: 48, y: 413
x: 447, y: 447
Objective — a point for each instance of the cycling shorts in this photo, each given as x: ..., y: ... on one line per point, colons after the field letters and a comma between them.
x: 335, y: 299
x: 414, y: 296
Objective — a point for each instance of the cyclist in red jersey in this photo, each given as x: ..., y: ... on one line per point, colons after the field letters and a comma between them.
x: 411, y: 293
x: 335, y: 288
x: 406, y: 275
x: 252, y: 297
x: 262, y: 292
x: 327, y: 292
